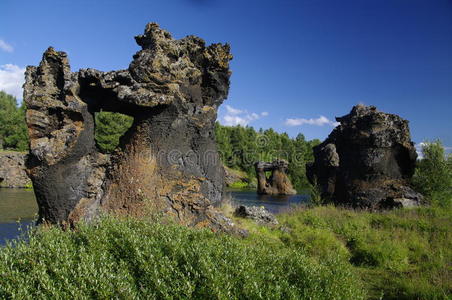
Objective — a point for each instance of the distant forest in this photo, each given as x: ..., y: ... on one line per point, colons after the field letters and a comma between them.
x: 240, y: 147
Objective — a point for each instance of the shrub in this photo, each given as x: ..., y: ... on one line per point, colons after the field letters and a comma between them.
x: 315, y: 194
x: 239, y: 185
x: 433, y: 175
x: 135, y: 259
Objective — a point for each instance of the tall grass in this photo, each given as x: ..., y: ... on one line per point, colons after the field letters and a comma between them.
x: 315, y: 253
x: 401, y: 254
x: 136, y: 259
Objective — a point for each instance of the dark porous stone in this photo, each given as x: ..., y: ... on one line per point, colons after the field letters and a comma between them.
x: 278, y: 183
x: 166, y: 162
x: 13, y: 171
x: 366, y: 161
x: 256, y: 213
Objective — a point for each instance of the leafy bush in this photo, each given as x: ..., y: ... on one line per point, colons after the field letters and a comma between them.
x: 433, y: 176
x: 134, y: 259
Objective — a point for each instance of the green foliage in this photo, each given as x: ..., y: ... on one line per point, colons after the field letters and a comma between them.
x: 433, y: 176
x: 240, y: 147
x: 13, y: 129
x: 132, y: 259
x: 109, y: 129
x: 401, y: 254
x: 28, y: 186
x: 315, y: 194
x: 239, y: 185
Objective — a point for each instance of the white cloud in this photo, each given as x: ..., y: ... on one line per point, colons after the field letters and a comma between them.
x: 12, y: 79
x: 230, y: 120
x: 419, y: 146
x: 6, y: 47
x: 236, y: 116
x: 419, y: 150
x: 320, y: 121
x: 233, y: 111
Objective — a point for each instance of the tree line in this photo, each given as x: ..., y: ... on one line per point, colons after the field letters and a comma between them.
x: 239, y: 147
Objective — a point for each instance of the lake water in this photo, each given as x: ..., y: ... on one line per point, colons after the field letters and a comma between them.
x: 274, y: 204
x: 18, y: 208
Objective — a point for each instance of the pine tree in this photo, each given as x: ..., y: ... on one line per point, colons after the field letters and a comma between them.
x: 109, y: 128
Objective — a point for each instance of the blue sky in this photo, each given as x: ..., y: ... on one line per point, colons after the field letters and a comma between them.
x: 297, y: 64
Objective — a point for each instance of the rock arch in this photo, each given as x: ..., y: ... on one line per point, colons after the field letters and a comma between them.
x: 278, y: 183
x: 172, y: 89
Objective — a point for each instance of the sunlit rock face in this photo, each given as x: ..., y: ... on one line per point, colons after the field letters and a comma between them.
x: 278, y: 183
x: 12, y: 170
x: 366, y: 161
x: 166, y: 162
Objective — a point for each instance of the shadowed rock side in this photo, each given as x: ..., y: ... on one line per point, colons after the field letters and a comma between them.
x: 168, y: 159
x: 278, y: 183
x: 366, y: 161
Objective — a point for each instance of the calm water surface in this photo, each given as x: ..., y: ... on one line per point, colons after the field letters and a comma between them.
x: 18, y: 207
x: 274, y: 204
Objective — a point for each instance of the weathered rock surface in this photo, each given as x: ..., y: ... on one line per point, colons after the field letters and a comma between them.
x: 12, y: 170
x: 366, y: 161
x: 278, y: 183
x: 257, y: 213
x: 167, y: 161
x: 232, y: 176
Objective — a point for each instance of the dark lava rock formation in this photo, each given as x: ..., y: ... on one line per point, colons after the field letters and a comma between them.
x: 12, y: 170
x: 166, y: 162
x: 366, y: 161
x: 278, y: 183
x: 256, y: 213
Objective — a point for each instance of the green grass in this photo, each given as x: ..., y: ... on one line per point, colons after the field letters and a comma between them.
x: 315, y: 253
x: 136, y: 259
x: 401, y: 254
x: 5, y: 151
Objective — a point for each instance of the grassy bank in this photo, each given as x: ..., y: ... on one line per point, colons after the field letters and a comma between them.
x: 317, y: 253
x: 401, y: 254
x: 130, y: 259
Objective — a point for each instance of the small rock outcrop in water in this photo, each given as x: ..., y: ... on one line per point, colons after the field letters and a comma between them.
x: 167, y: 161
x: 278, y: 183
x: 366, y: 161
x: 12, y: 170
x: 256, y: 213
